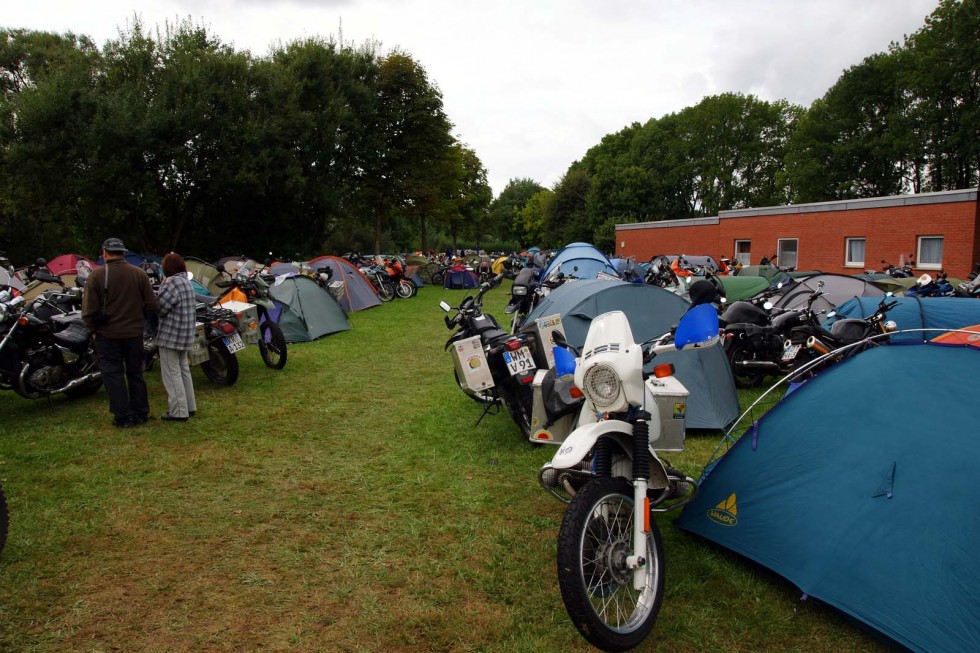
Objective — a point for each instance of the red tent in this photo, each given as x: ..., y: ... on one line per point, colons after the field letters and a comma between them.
x: 67, y: 264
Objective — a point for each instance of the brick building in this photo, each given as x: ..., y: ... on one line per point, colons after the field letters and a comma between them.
x: 941, y: 231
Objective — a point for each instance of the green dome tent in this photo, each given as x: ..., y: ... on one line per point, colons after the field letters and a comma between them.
x: 308, y: 311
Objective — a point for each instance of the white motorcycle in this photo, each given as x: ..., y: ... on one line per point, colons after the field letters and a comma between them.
x: 610, y: 551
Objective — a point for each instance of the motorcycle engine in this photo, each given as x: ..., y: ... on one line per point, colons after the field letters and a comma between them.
x: 46, y: 376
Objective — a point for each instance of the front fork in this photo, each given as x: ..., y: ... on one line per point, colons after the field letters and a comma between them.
x: 641, y: 503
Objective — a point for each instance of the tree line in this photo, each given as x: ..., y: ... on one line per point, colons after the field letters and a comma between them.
x: 903, y: 121
x: 176, y: 141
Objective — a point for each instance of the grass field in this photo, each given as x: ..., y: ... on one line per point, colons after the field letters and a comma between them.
x: 349, y: 502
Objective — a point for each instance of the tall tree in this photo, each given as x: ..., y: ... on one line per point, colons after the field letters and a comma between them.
x: 505, y: 210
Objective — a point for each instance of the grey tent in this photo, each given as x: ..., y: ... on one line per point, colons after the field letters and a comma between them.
x: 358, y: 293
x: 307, y: 310
x: 652, y: 311
x: 837, y: 289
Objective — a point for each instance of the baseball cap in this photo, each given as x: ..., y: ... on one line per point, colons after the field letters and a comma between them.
x: 113, y: 245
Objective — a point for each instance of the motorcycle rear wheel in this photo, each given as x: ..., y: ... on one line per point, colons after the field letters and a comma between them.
x: 222, y: 365
x: 272, y: 345
x: 4, y: 519
x: 744, y: 378
x: 595, y: 538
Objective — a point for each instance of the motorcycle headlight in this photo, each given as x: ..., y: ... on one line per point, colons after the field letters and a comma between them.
x: 518, y: 291
x: 890, y: 326
x: 601, y: 385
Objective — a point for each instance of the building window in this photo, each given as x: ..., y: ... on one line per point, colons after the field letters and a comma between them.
x: 786, y: 253
x: 930, y: 253
x: 743, y: 251
x: 854, y: 253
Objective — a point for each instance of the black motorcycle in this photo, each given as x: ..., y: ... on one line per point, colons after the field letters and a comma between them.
x: 45, y: 347
x: 492, y: 367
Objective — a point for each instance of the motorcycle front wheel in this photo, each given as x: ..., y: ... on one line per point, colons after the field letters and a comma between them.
x: 4, y: 519
x: 222, y: 365
x: 404, y: 289
x: 595, y: 538
x: 272, y: 345
x: 386, y: 292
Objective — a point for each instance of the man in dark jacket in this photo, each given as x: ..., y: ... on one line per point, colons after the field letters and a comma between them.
x: 117, y: 298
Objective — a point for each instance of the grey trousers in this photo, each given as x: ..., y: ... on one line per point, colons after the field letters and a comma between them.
x: 176, y: 374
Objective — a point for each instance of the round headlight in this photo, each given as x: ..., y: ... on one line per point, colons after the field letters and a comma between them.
x: 601, y: 385
x: 891, y: 326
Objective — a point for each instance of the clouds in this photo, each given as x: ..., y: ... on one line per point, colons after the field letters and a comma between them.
x: 531, y: 86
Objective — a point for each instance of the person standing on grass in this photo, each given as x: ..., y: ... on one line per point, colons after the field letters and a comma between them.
x: 175, y: 338
x: 117, y: 298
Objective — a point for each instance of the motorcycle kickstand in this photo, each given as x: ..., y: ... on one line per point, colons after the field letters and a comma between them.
x: 486, y: 411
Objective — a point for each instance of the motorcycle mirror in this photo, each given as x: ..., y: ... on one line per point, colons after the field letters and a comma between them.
x: 41, y: 262
x: 831, y: 314
x: 889, y: 294
x: 190, y: 275
x: 768, y: 306
x: 444, y: 306
x: 558, y: 338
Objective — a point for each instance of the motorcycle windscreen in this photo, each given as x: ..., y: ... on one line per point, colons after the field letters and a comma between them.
x: 698, y: 327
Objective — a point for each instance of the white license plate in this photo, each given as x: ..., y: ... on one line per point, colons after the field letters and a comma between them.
x: 234, y: 343
x: 790, y: 352
x: 520, y: 361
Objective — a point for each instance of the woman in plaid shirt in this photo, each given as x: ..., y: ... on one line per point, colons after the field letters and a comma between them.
x: 175, y: 337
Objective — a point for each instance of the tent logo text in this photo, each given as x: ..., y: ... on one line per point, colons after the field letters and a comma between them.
x: 725, y: 512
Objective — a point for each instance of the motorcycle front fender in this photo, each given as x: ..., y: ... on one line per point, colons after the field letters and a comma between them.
x: 580, y: 442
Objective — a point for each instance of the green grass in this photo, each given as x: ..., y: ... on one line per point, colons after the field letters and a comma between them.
x: 349, y: 502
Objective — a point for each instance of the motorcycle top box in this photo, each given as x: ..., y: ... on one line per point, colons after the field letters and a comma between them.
x: 472, y: 370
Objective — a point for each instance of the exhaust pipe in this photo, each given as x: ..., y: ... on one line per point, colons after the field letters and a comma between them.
x: 80, y: 381
x: 757, y: 365
x: 817, y: 346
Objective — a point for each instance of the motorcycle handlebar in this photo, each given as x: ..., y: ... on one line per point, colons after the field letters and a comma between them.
x: 224, y: 284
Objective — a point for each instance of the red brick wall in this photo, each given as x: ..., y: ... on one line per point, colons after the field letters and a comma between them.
x: 888, y: 233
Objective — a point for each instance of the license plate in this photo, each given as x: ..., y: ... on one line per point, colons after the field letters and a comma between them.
x: 790, y: 352
x: 519, y: 361
x: 234, y: 343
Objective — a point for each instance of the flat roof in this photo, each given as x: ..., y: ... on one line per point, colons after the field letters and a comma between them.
x: 939, y: 197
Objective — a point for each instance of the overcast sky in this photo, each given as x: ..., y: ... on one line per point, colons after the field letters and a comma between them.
x: 531, y: 85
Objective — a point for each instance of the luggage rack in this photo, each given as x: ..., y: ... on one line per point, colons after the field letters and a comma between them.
x: 212, y: 313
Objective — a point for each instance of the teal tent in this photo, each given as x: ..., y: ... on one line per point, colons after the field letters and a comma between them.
x: 652, y: 311
x: 864, y: 503
x: 308, y: 311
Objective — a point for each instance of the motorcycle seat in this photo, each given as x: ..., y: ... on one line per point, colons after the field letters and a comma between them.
x: 74, y: 336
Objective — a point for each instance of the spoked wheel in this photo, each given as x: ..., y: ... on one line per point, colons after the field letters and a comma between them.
x: 744, y: 377
x: 595, y: 539
x: 385, y: 291
x: 4, y: 519
x: 404, y: 289
x: 222, y: 365
x: 437, y: 278
x: 272, y: 345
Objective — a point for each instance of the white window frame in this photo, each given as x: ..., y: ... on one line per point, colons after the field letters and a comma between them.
x: 779, y: 253
x: 918, y: 253
x: 847, y: 252
x: 745, y: 258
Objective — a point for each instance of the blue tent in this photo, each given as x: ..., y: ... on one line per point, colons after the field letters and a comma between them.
x: 918, y: 313
x: 652, y: 311
x: 580, y: 260
x: 455, y: 279
x: 867, y: 505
